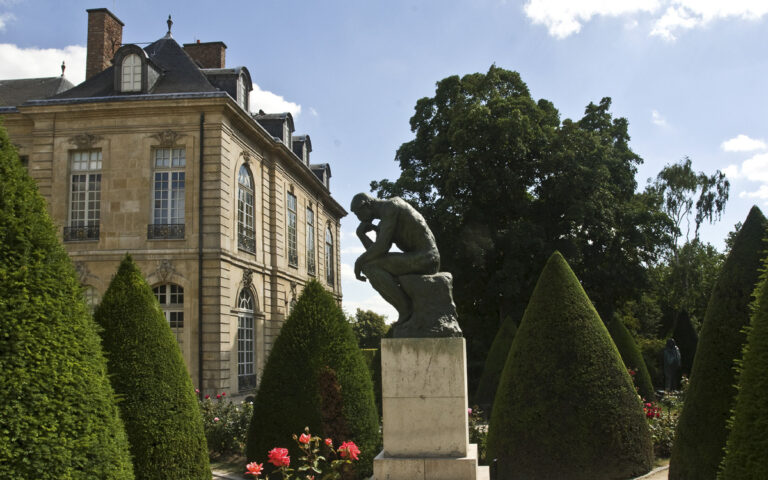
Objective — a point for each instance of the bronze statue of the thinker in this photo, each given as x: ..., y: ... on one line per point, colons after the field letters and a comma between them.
x: 408, y: 279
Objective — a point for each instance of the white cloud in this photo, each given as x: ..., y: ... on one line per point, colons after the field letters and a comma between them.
x: 566, y: 17
x: 754, y: 169
x: 657, y: 119
x: 761, y: 193
x: 374, y: 303
x: 732, y: 172
x: 18, y: 62
x: 347, y: 272
x: 742, y: 143
x: 358, y: 250
x: 313, y: 112
x: 272, y: 102
x: 4, y: 19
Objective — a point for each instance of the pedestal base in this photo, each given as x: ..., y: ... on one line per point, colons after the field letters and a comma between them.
x: 424, y: 399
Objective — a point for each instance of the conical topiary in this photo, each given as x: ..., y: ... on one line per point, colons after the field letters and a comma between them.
x: 701, y: 431
x: 58, y: 417
x: 315, y: 344
x: 746, y: 452
x: 494, y: 364
x: 159, y: 407
x: 566, y: 406
x: 687, y: 339
x: 633, y: 359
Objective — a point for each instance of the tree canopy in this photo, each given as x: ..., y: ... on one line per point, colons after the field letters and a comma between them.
x: 369, y: 328
x: 503, y: 183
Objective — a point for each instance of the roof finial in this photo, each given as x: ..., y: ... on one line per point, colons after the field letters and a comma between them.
x: 63, y: 67
x: 169, y: 22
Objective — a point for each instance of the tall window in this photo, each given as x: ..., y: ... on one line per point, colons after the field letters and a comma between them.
x: 329, y: 256
x: 131, y: 73
x: 85, y: 195
x: 246, y: 374
x: 293, y: 252
x: 171, y: 299
x: 246, y: 235
x: 168, y: 201
x: 91, y: 297
x: 310, y: 241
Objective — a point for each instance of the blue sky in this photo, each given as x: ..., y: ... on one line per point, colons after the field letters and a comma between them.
x: 689, y: 75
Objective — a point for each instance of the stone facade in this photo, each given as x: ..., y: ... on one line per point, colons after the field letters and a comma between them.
x: 204, y: 249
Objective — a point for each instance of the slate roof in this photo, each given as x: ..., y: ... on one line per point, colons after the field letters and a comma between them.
x: 16, y: 92
x: 178, y: 74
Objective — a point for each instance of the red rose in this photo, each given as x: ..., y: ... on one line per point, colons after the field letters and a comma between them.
x: 223, y: 394
x: 349, y: 450
x: 279, y: 457
x: 207, y: 396
x: 218, y: 396
x: 304, y: 438
x: 329, y: 442
x: 254, y: 469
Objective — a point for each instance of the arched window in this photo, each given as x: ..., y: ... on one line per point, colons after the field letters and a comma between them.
x: 91, y: 297
x: 329, y: 260
x: 171, y: 299
x: 131, y: 73
x: 246, y: 233
x: 246, y: 373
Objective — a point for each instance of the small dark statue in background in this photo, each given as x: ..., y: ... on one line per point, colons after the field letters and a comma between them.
x: 410, y: 280
x: 672, y: 363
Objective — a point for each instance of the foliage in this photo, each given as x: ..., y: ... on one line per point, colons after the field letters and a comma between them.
x: 687, y: 340
x: 662, y: 425
x: 701, y: 433
x: 478, y: 433
x: 631, y: 356
x: 745, y: 457
x: 369, y: 328
x: 373, y: 360
x: 494, y: 363
x: 503, y: 183
x: 564, y: 361
x: 316, y: 338
x: 225, y: 424
x: 146, y: 369
x: 642, y: 317
x: 58, y: 416
x: 334, y: 464
x: 652, y: 350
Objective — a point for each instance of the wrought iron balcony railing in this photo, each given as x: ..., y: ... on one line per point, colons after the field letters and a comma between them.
x: 246, y: 240
x: 81, y: 233
x: 165, y: 231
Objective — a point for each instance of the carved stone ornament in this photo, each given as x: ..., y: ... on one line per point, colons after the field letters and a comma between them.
x: 246, y: 157
x: 165, y: 270
x: 247, y: 277
x: 84, y: 140
x: 82, y: 272
x: 167, y: 138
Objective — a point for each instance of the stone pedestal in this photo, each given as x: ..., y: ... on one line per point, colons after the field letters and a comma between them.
x: 424, y: 397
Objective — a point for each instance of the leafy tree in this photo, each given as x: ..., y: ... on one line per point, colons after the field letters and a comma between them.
x: 745, y: 453
x: 494, y: 364
x: 701, y: 432
x: 316, y: 348
x: 369, y: 328
x: 58, y: 416
x: 502, y: 182
x: 687, y: 340
x: 147, y: 370
x: 566, y: 406
x: 631, y: 356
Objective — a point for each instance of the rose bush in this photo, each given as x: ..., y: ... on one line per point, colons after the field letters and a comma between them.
x: 225, y: 424
x: 313, y: 465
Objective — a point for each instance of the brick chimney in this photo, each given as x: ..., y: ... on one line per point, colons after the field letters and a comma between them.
x: 105, y: 35
x: 207, y: 54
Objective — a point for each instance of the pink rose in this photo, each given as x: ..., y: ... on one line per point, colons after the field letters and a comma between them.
x: 279, y: 457
x: 349, y: 450
x: 329, y: 442
x: 215, y: 419
x: 304, y: 438
x: 254, y: 469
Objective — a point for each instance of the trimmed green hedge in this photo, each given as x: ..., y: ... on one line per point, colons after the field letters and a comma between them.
x: 494, y: 364
x: 566, y: 406
x: 630, y: 354
x: 687, y: 339
x: 701, y: 431
x: 746, y: 456
x: 159, y: 407
x: 58, y: 417
x: 316, y: 346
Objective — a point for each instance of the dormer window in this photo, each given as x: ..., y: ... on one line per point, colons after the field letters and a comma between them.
x: 131, y: 73
x: 242, y: 92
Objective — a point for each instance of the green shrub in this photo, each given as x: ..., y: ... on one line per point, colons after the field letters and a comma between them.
x: 146, y: 368
x: 652, y: 350
x: 225, y: 424
x: 315, y: 341
x: 58, y: 416
x: 746, y: 456
x: 494, y: 364
x: 566, y: 406
x: 478, y: 433
x: 687, y: 339
x: 632, y: 357
x: 701, y: 431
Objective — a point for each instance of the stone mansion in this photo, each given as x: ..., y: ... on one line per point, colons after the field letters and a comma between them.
x: 156, y: 154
